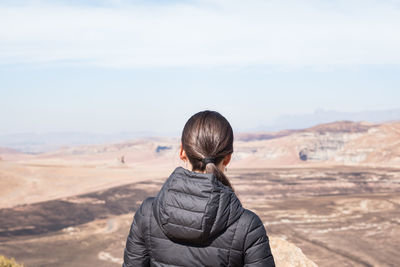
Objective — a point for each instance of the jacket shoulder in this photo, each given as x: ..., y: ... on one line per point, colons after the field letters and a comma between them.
x: 249, y: 216
x: 142, y: 214
x: 247, y: 222
x: 257, y: 251
x: 145, y: 208
x: 136, y: 253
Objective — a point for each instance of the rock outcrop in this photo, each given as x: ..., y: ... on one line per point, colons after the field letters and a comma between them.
x: 287, y: 254
x: 339, y: 143
x: 345, y: 143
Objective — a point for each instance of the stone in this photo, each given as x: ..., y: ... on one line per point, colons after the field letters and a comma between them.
x: 287, y: 254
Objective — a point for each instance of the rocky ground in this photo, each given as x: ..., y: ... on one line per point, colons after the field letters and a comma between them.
x: 338, y: 216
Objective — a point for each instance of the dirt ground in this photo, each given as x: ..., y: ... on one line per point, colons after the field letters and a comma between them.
x: 338, y: 216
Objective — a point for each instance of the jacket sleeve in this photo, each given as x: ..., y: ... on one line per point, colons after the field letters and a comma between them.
x: 257, y: 250
x: 136, y: 252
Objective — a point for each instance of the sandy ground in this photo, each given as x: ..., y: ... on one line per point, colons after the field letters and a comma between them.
x: 27, y: 182
x: 338, y: 216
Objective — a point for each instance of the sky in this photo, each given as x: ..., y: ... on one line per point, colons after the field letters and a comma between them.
x: 124, y: 66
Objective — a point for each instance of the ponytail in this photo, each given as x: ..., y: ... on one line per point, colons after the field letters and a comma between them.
x: 207, y: 138
x: 212, y: 168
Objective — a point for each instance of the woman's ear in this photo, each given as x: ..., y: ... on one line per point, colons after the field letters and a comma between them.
x: 227, y: 159
x: 182, y: 154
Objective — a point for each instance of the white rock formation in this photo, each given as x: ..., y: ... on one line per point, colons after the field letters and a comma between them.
x: 287, y: 254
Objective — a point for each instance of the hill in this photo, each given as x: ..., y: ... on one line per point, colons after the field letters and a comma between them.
x: 343, y: 142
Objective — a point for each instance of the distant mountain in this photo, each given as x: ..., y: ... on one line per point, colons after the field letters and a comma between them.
x: 301, y: 121
x: 342, y: 142
x: 263, y: 135
x: 33, y: 143
x: 6, y: 150
x: 331, y: 127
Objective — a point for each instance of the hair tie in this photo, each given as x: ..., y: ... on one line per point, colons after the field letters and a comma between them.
x: 208, y: 160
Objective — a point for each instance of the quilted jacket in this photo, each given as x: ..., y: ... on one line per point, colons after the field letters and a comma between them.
x: 195, y: 220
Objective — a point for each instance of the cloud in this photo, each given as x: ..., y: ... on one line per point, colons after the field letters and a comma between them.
x: 202, y: 33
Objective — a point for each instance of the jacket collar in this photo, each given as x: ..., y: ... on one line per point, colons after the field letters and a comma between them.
x: 194, y: 207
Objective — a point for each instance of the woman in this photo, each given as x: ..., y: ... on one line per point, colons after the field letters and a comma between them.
x: 196, y: 218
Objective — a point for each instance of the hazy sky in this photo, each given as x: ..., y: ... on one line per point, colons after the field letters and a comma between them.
x: 112, y: 66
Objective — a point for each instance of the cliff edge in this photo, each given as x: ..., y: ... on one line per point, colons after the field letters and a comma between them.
x: 287, y: 254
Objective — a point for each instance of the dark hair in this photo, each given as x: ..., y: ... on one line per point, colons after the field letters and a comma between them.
x: 207, y: 134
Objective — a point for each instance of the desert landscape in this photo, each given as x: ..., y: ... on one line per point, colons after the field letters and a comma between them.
x: 329, y: 192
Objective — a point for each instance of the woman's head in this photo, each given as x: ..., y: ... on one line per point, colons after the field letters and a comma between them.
x: 207, y: 142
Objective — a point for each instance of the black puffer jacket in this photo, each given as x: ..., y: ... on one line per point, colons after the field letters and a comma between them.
x: 195, y: 220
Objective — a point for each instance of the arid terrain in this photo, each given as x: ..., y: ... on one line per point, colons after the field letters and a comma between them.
x: 331, y: 190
